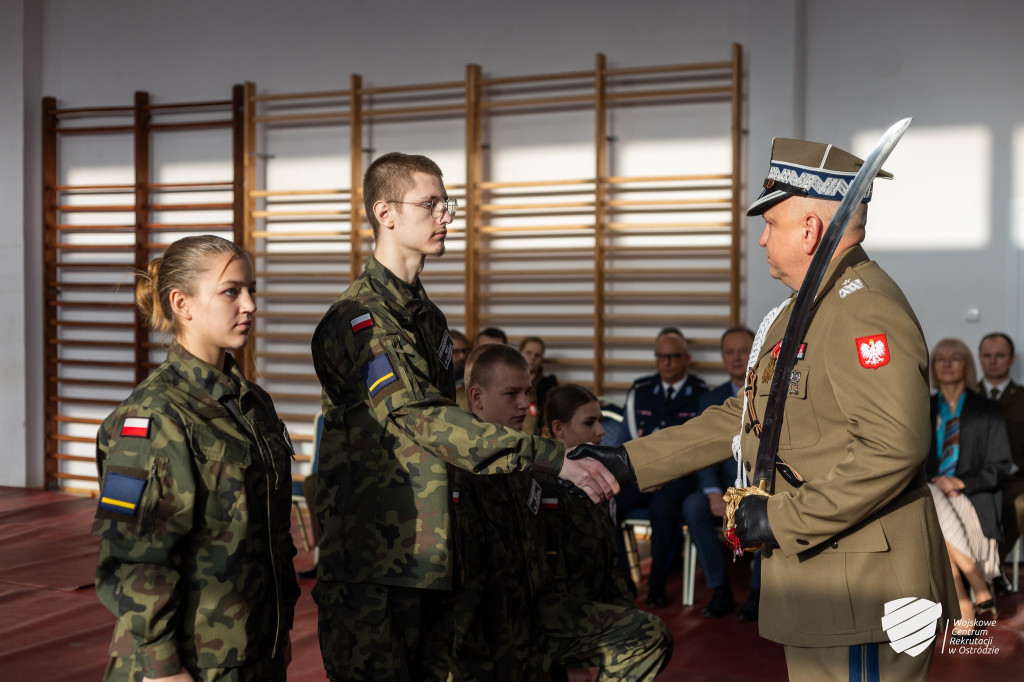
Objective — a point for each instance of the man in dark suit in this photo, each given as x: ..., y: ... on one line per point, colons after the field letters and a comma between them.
x: 997, y: 356
x: 708, y: 504
x: 668, y: 398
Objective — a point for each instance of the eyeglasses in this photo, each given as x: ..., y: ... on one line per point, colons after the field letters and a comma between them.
x: 436, y: 207
x: 667, y: 356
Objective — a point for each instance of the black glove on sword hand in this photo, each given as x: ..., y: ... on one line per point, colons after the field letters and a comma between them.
x: 752, y: 527
x: 614, y: 459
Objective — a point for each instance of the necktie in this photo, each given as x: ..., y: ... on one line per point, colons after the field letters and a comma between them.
x: 994, y: 393
x: 668, y: 394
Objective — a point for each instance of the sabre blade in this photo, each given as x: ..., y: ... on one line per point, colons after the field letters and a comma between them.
x: 764, y: 464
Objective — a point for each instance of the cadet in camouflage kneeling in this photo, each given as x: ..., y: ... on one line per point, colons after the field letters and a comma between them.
x: 522, y: 611
x: 392, y: 433
x: 194, y: 515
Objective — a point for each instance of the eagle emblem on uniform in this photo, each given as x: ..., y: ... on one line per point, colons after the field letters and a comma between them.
x: 873, y: 351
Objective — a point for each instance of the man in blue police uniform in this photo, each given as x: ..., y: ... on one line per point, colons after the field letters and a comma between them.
x: 668, y: 398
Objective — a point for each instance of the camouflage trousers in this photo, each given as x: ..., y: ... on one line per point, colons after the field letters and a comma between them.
x: 377, y: 632
x: 262, y: 670
x: 624, y: 642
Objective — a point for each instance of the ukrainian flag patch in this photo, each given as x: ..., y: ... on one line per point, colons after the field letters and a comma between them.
x: 378, y: 373
x: 122, y: 492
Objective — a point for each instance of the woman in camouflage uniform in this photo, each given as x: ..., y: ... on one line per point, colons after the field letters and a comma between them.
x: 196, y: 551
x: 573, y: 415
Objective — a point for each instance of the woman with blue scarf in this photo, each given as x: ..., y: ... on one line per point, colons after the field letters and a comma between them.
x: 970, y: 457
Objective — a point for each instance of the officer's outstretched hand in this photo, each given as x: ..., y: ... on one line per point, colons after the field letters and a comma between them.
x: 614, y: 458
x: 591, y: 477
x: 752, y: 527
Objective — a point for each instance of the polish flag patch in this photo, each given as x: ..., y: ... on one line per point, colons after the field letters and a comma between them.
x: 549, y: 503
x: 873, y: 351
x: 361, y: 322
x: 136, y: 427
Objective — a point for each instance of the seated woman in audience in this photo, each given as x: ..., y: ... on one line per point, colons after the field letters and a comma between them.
x: 195, y: 557
x: 969, y: 458
x: 532, y: 348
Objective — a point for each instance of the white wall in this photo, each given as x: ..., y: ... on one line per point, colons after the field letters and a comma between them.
x: 14, y: 150
x: 838, y: 72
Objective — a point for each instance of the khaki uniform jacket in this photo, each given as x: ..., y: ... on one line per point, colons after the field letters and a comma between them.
x: 854, y: 536
x: 391, y: 428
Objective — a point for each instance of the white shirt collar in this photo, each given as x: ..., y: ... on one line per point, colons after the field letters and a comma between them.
x: 988, y: 388
x: 676, y: 387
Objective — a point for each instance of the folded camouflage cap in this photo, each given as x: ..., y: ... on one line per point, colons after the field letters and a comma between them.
x: 808, y: 169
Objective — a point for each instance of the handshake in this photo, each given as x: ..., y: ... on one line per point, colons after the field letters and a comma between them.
x: 750, y: 516
x: 588, y: 480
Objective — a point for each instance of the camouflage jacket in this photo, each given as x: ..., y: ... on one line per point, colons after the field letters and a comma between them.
x: 194, y: 517
x: 500, y: 534
x: 391, y: 427
x: 583, y: 533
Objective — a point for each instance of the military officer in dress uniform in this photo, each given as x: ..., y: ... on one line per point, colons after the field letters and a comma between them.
x: 383, y: 356
x: 997, y: 356
x: 851, y: 528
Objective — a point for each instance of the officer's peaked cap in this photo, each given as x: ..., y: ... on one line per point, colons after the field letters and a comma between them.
x: 808, y: 169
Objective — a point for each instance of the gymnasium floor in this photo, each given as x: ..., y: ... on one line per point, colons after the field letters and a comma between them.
x: 52, y: 628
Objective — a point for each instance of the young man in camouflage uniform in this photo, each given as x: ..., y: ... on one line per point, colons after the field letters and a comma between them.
x: 391, y: 430
x: 516, y: 617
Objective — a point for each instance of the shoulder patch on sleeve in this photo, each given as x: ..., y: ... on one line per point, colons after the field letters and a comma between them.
x: 361, y: 322
x: 136, y: 427
x: 378, y: 374
x: 873, y: 351
x: 122, y: 490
